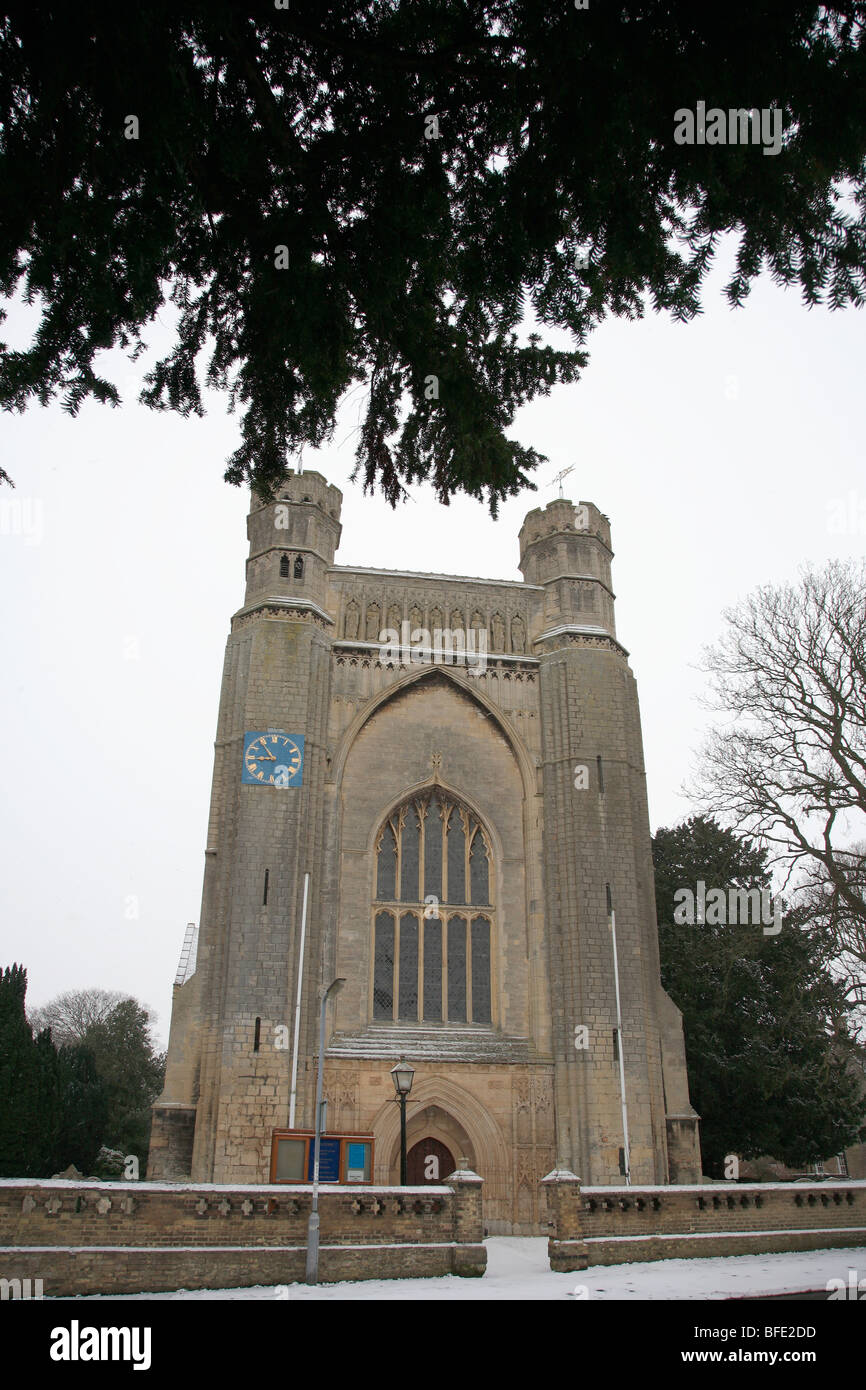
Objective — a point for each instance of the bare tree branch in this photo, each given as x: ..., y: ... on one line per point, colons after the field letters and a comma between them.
x: 790, y: 766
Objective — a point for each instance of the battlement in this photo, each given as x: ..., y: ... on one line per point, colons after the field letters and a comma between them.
x: 566, y: 548
x: 293, y: 538
x: 562, y: 516
x: 309, y: 487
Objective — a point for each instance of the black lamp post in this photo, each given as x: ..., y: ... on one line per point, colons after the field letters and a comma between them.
x: 402, y: 1076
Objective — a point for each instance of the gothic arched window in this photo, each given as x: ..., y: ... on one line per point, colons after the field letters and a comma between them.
x: 284, y: 567
x: 431, y: 946
x: 299, y: 567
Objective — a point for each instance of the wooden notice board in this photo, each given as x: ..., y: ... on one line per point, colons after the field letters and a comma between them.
x: 343, y: 1158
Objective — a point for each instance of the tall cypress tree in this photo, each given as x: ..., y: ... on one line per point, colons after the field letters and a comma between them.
x: 52, y: 1105
x: 22, y: 1096
x: 83, y: 1117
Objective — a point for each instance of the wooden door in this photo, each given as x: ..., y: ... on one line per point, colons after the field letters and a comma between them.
x: 428, y: 1161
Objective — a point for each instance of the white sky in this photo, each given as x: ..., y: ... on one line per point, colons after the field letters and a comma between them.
x: 722, y: 451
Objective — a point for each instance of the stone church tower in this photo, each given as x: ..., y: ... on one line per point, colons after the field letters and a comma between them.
x: 462, y: 834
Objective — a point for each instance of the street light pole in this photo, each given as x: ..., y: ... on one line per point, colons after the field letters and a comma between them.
x: 312, y: 1274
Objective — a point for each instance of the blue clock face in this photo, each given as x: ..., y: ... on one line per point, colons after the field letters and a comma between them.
x: 273, y: 759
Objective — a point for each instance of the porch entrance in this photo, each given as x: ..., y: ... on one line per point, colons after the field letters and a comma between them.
x: 429, y: 1161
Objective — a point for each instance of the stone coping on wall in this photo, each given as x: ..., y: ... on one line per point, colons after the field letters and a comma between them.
x: 259, y: 1188
x: 709, y: 1187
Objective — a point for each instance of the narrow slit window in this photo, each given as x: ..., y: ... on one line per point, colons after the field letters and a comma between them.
x: 257, y: 1035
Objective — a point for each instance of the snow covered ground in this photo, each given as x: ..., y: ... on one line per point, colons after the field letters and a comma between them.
x: 518, y: 1268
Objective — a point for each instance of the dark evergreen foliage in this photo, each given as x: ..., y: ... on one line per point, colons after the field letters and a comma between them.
x: 771, y: 1061
x: 553, y: 185
x: 132, y: 1073
x: 52, y: 1104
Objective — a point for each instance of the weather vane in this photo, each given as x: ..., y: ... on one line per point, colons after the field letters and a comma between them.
x: 564, y: 474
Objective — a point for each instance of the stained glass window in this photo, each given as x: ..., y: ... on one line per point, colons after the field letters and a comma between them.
x: 432, y: 1002
x: 386, y: 872
x: 478, y: 871
x: 409, y: 857
x: 383, y: 967
x: 480, y: 970
x: 408, y: 972
x: 433, y: 849
x: 457, y: 969
x: 456, y: 858
x: 423, y: 846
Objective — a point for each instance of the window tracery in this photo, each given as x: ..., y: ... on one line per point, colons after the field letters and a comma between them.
x: 431, y: 945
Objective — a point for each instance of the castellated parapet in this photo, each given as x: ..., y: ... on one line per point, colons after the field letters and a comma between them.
x: 567, y: 549
x: 463, y: 831
x: 301, y: 524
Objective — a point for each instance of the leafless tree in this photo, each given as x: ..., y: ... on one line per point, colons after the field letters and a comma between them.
x: 71, y: 1014
x: 789, y: 766
x: 832, y: 911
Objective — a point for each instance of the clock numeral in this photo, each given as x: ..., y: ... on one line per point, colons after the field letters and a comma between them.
x: 284, y: 773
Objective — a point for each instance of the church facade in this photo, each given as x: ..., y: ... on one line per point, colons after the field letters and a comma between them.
x: 433, y: 787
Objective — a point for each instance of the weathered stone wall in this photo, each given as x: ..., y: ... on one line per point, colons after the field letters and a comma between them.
x: 85, y: 1237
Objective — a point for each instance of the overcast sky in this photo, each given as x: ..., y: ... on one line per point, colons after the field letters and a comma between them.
x: 723, y: 451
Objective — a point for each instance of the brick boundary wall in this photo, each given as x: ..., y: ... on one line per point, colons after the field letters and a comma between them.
x: 111, y: 1238
x: 618, y: 1225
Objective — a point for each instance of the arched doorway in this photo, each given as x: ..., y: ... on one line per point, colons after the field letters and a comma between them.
x: 429, y: 1161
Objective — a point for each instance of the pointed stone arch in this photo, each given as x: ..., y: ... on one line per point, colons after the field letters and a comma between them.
x: 491, y: 1154
x: 452, y: 793
x: 464, y: 684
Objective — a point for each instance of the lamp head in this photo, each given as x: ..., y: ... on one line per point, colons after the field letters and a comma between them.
x: 402, y: 1075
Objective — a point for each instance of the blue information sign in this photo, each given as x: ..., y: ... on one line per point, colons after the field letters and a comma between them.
x: 329, y: 1160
